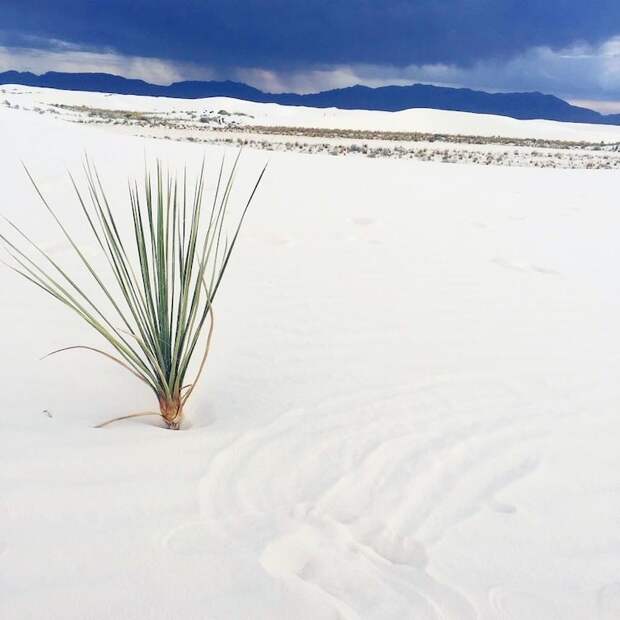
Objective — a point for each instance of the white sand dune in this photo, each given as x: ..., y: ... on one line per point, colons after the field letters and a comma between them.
x: 271, y: 114
x: 410, y: 411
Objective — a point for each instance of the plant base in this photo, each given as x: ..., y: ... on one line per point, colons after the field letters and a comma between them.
x: 171, y: 412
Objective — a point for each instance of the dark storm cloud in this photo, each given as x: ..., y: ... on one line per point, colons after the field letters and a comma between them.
x: 278, y: 34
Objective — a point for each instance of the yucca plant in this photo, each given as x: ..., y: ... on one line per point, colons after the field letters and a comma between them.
x: 158, y: 294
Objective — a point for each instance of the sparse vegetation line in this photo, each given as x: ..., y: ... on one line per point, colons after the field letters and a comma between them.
x: 230, y: 127
x: 158, y: 119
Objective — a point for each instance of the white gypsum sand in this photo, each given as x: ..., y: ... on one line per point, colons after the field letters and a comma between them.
x: 249, y: 113
x: 409, y: 411
x: 419, y: 134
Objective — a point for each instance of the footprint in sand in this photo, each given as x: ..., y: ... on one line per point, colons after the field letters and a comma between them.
x: 502, y: 507
x: 512, y: 265
x: 363, y: 222
x: 524, y: 267
x: 545, y: 270
x: 279, y: 241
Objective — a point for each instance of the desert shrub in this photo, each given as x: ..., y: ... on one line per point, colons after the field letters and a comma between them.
x: 160, y: 285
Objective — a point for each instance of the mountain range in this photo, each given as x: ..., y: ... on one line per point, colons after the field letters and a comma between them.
x: 530, y: 105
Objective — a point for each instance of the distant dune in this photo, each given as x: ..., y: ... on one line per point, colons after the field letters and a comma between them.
x: 533, y: 105
x: 418, y: 120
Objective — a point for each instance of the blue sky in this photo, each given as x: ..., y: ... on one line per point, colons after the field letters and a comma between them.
x: 567, y: 47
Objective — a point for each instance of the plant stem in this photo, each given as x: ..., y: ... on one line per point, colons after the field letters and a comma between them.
x: 172, y: 411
